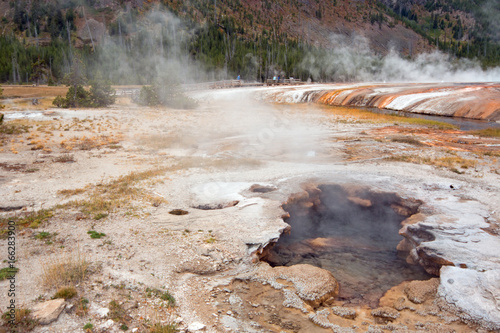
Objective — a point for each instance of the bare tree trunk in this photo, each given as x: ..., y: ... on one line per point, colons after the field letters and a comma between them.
x: 69, y: 41
x: 215, y: 11
x: 14, y: 69
x: 120, y: 32
x: 36, y: 37
x: 88, y: 28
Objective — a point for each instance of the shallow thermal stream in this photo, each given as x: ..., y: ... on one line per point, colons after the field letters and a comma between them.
x: 351, y: 232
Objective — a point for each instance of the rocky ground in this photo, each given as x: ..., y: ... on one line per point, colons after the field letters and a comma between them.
x: 93, y: 192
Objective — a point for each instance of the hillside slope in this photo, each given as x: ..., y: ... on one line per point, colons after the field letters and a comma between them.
x: 257, y: 38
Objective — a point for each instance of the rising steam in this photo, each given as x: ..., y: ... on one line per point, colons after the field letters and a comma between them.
x: 351, y: 59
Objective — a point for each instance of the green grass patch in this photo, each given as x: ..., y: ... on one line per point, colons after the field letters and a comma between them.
x: 7, y: 272
x: 100, y: 216
x: 46, y: 236
x: 32, y: 220
x: 88, y: 327
x: 163, y: 295
x: 116, y: 311
x: 95, y: 234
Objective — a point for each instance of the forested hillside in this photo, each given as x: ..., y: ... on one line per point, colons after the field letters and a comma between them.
x: 138, y: 42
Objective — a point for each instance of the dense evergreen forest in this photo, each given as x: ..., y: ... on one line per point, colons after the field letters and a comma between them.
x: 202, y: 40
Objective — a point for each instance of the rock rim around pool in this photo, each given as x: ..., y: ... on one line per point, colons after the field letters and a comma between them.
x: 313, y: 285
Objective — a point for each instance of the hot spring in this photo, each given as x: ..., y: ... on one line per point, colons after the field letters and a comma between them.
x: 352, y: 232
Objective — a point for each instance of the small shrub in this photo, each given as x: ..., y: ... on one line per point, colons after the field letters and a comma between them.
x: 148, y: 96
x: 163, y: 295
x: 168, y: 94
x: 65, y: 292
x: 60, y: 102
x: 116, y: 311
x: 88, y: 327
x: 95, y: 234
x: 166, y: 296
x: 65, y: 158
x: 101, y: 94
x: 82, y: 307
x: 101, y: 216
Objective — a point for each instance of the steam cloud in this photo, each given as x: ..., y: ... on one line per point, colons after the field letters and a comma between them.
x: 153, y: 53
x: 351, y: 59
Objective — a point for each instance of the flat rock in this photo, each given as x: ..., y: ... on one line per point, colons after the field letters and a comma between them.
x: 196, y: 326
x: 473, y: 295
x: 48, y: 311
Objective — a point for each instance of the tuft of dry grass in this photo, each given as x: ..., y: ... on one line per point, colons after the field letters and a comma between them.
x: 407, y: 139
x: 357, y: 115
x: 13, y: 128
x: 163, y: 328
x: 488, y: 132
x: 69, y: 269
x: 448, y: 162
x: 13, y: 91
x: 23, y: 321
x: 69, y: 193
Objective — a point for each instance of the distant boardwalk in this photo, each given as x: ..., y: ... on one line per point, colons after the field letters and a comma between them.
x: 240, y: 83
x: 130, y: 91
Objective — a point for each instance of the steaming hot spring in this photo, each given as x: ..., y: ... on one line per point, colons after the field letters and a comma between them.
x: 336, y: 227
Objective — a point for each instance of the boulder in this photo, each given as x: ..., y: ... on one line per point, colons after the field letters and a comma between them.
x: 48, y: 311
